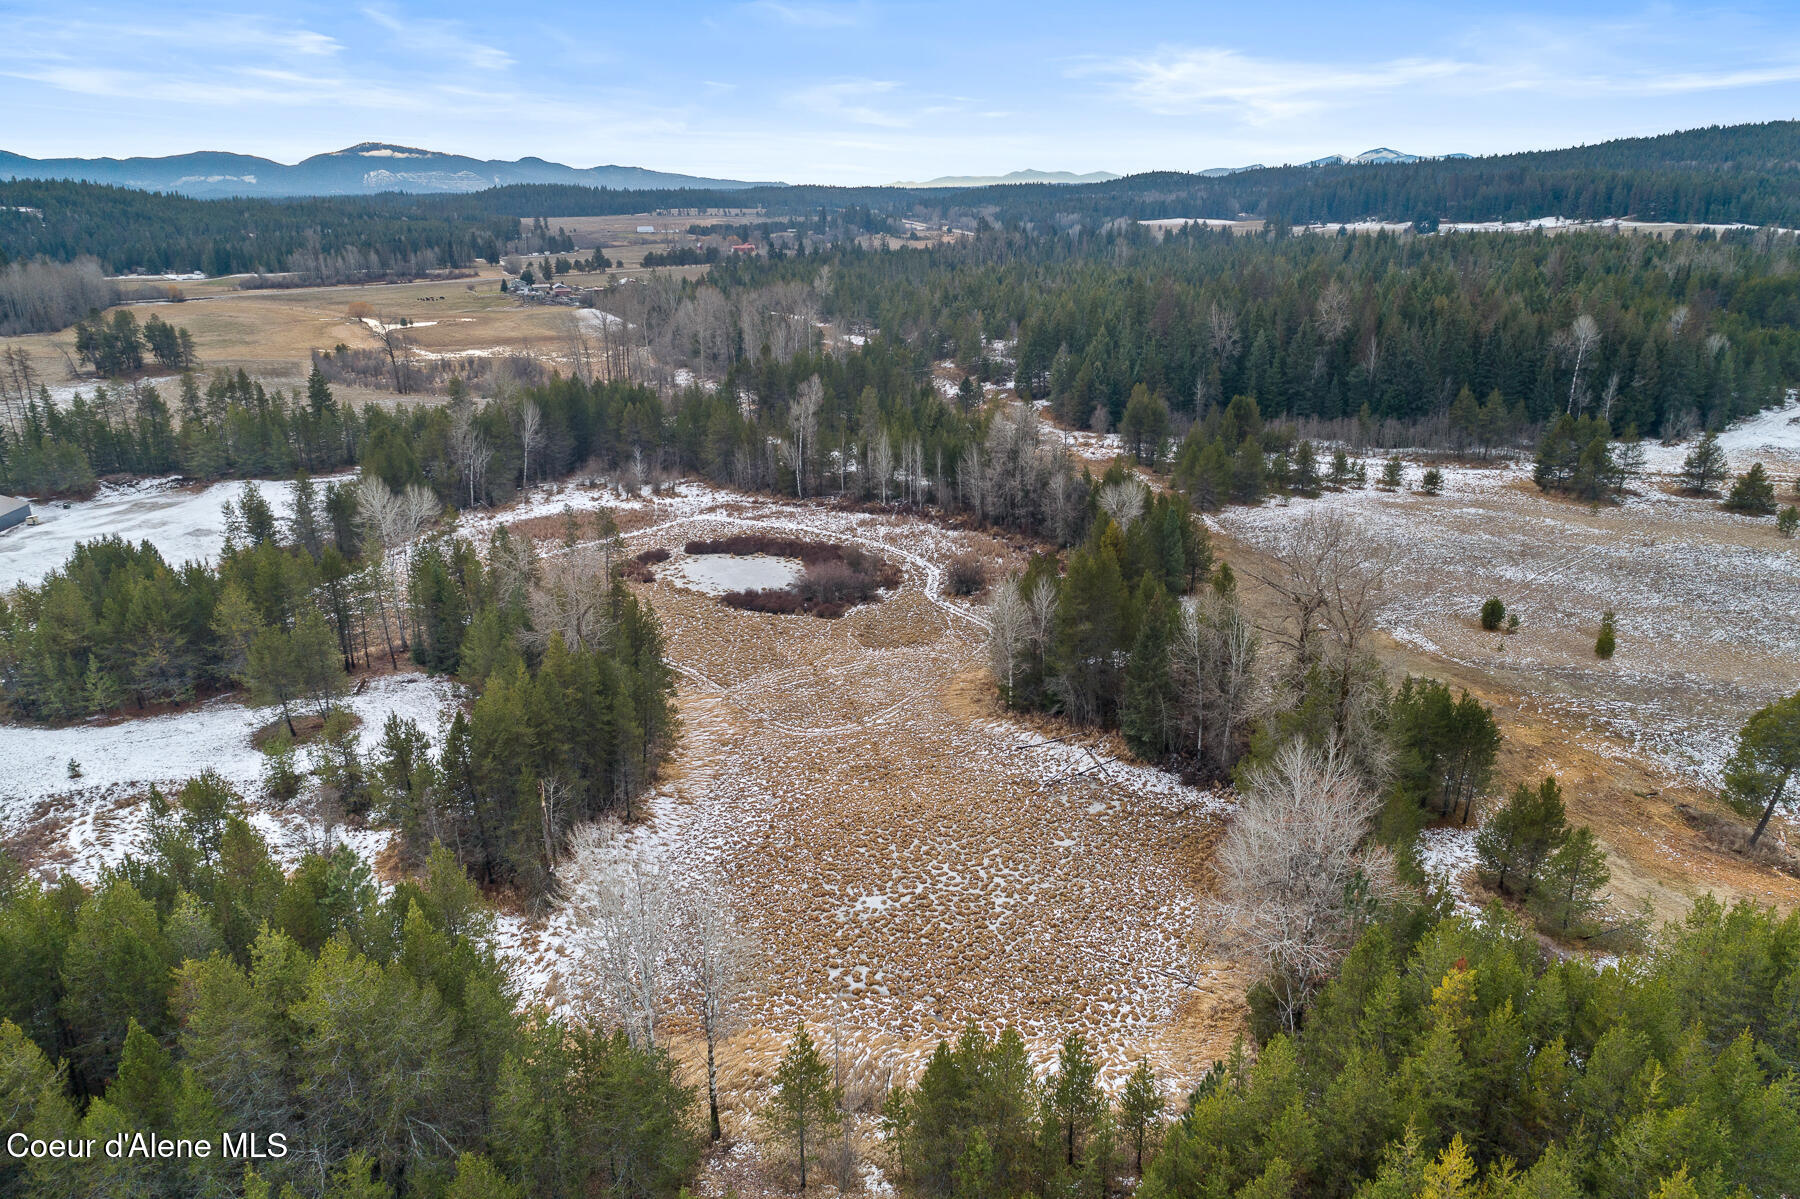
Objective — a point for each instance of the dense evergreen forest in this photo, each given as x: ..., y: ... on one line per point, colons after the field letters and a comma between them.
x: 1677, y: 335
x: 1450, y: 1057
x: 371, y: 1040
x: 332, y: 239
x: 1743, y: 173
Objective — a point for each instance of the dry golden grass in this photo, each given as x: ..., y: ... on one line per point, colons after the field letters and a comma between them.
x: 272, y: 333
x: 906, y: 855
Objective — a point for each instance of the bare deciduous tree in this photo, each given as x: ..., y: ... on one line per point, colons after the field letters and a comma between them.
x: 881, y: 464
x: 1333, y: 313
x: 1042, y: 605
x: 470, y: 447
x: 1124, y: 501
x: 719, y: 959
x: 803, y: 420
x: 1330, y: 577
x: 1009, y: 624
x: 1214, y: 659
x: 622, y: 912
x: 390, y: 522
x: 1222, y: 325
x: 1579, y: 343
x: 531, y: 432
x: 570, y: 598
x: 1296, y: 882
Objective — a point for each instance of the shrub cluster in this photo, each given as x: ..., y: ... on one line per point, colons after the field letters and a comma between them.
x: 638, y: 569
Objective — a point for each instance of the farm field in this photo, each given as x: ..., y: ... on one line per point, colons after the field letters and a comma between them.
x: 271, y: 332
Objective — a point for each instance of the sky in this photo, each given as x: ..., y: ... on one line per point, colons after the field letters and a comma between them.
x: 875, y: 91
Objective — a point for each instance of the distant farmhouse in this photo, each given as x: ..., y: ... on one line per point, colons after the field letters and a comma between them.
x: 13, y: 512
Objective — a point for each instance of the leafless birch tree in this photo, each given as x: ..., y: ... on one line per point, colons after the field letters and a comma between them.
x: 803, y: 421
x: 531, y: 432
x: 1009, y: 625
x: 1214, y: 660
x: 1296, y: 883
x: 719, y: 959
x: 1580, y: 341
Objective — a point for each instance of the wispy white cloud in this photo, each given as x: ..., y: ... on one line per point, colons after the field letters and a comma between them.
x: 445, y: 41
x: 854, y: 100
x: 810, y: 14
x: 1619, y: 60
x: 1178, y: 81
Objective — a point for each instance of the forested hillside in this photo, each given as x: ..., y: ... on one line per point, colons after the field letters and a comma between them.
x: 136, y: 232
x: 1677, y: 335
x: 1743, y: 173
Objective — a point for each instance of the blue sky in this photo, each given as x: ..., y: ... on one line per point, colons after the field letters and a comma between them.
x: 870, y: 91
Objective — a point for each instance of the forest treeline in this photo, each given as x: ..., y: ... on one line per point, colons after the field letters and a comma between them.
x: 327, y: 239
x: 230, y: 427
x: 1667, y: 336
x: 573, y: 714
x: 1449, y: 1057
x: 1742, y: 173
x: 371, y: 1034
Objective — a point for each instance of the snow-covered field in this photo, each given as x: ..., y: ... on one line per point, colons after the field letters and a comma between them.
x: 1704, y: 598
x: 99, y: 818
x: 183, y: 523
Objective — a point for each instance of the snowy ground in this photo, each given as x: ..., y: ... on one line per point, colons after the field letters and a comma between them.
x: 183, y: 523
x: 81, y: 825
x: 1707, y: 628
x: 1448, y: 854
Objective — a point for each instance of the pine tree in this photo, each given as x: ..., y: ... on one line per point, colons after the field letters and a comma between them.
x: 1393, y: 474
x: 806, y: 1107
x: 1607, y: 641
x: 1074, y: 1099
x: 1765, y: 761
x: 1493, y: 613
x: 1140, y: 1108
x: 1516, y: 841
x: 1149, y: 709
x: 1704, y: 466
x: 1568, y: 894
x: 1753, y: 493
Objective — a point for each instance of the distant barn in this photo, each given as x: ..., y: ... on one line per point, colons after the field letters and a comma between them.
x: 13, y: 512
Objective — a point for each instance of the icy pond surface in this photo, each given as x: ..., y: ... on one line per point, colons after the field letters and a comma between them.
x: 715, y: 574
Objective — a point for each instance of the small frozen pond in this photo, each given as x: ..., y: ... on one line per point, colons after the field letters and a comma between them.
x: 715, y: 574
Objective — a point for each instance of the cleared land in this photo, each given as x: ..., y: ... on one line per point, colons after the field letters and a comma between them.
x: 1707, y: 634
x: 907, y: 856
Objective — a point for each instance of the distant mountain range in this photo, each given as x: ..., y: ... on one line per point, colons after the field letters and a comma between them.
x: 358, y: 170
x: 1026, y: 176
x: 1379, y: 156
